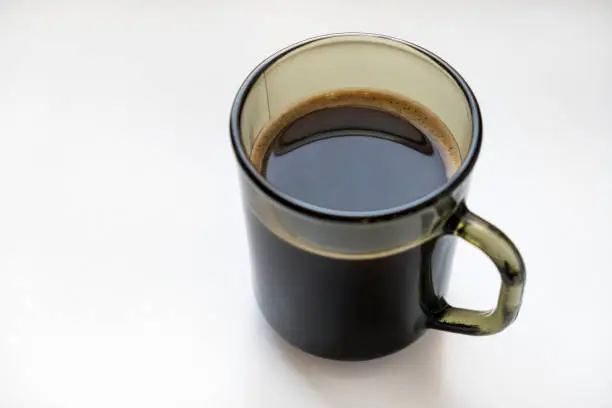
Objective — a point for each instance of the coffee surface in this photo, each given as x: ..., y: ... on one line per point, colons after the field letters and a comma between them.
x: 360, y: 151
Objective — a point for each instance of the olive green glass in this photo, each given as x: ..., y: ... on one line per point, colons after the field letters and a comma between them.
x: 288, y: 293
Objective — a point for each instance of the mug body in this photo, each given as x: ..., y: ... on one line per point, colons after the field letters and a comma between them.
x: 347, y: 309
x: 356, y: 285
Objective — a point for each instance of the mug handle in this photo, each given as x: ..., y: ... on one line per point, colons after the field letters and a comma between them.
x: 509, y: 263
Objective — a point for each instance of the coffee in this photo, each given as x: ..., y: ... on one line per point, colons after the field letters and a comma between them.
x: 357, y: 151
x: 351, y: 151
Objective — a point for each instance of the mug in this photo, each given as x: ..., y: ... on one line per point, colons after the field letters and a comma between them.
x: 360, y: 285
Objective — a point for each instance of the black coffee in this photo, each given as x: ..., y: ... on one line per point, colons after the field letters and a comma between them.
x: 352, y: 151
x: 359, y: 158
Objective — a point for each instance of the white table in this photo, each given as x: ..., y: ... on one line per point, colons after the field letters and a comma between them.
x: 124, y: 272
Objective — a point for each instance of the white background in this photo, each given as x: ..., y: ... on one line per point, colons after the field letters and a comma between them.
x: 124, y: 272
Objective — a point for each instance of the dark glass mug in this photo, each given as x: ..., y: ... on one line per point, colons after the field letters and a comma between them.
x: 359, y: 285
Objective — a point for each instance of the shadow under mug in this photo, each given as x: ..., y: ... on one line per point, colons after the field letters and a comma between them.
x: 359, y: 285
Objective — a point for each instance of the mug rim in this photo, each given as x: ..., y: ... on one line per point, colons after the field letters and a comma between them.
x: 353, y: 216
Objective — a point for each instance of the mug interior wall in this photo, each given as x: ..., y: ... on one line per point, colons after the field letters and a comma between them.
x: 355, y: 62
